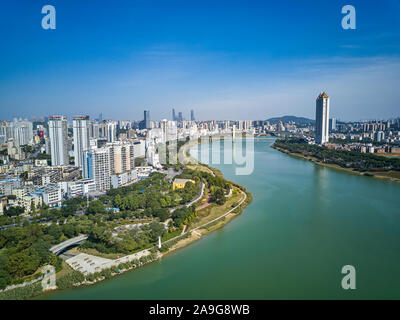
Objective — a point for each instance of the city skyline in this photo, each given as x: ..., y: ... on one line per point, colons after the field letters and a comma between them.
x: 247, y: 68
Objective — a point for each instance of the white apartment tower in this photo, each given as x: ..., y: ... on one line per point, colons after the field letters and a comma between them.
x: 81, y: 126
x: 58, y: 135
x: 111, y: 131
x: 322, y: 119
x: 101, y: 168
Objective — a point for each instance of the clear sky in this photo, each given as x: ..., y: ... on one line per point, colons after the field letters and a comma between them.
x: 224, y: 59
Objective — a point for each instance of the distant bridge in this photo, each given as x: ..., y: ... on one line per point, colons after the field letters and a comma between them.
x: 61, y: 247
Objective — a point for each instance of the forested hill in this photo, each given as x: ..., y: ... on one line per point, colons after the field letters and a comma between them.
x: 298, y: 120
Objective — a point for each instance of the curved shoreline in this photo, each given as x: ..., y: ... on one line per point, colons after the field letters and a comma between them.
x: 337, y: 167
x: 189, y: 237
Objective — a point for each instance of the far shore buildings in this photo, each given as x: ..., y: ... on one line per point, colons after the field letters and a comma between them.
x: 322, y: 119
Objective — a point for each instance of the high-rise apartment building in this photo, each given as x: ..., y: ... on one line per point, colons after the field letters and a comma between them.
x: 112, y: 159
x: 94, y: 130
x: 111, y: 131
x: 81, y: 127
x: 96, y: 165
x: 21, y: 131
x: 322, y: 119
x: 121, y: 157
x: 58, y: 135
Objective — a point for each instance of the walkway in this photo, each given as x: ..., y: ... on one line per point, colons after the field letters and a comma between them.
x: 224, y: 215
x: 67, y: 243
x: 216, y: 219
x: 187, y: 205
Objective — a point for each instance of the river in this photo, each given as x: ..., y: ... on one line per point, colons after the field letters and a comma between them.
x: 304, y: 224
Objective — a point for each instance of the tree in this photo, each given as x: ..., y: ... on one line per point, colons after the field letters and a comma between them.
x: 24, y: 175
x: 5, y: 278
x: 14, y: 211
x: 162, y: 213
x: 157, y: 230
x: 96, y: 207
x: 55, y: 231
x: 218, y: 196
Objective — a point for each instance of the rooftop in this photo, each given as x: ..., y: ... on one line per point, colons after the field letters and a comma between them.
x: 182, y: 180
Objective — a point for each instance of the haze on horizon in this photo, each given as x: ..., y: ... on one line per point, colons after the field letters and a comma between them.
x: 225, y: 60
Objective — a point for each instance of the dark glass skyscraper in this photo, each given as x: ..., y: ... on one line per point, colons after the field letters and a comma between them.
x: 192, y: 115
x: 146, y: 119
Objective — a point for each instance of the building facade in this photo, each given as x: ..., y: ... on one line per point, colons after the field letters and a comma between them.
x: 81, y: 127
x: 58, y: 135
x: 322, y: 119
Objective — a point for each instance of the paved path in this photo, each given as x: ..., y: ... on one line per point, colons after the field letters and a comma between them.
x: 225, y: 214
x: 88, y: 263
x: 216, y: 219
x: 187, y: 205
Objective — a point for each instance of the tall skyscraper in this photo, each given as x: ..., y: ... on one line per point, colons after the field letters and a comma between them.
x: 164, y: 129
x: 95, y: 130
x: 58, y: 135
x: 332, y: 124
x: 173, y: 115
x: 146, y: 119
x: 111, y: 131
x: 192, y: 115
x: 180, y: 117
x: 80, y: 126
x: 322, y: 119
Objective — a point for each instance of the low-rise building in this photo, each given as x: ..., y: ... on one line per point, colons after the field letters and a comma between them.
x: 119, y: 180
x: 52, y: 196
x: 180, y: 183
x: 40, y: 162
x: 81, y: 187
x: 32, y: 201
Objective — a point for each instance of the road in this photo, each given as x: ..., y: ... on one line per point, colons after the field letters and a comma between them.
x: 187, y: 205
x: 216, y: 219
x: 29, y: 219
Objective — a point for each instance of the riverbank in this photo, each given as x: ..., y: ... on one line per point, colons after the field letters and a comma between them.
x: 208, y: 219
x: 383, y: 175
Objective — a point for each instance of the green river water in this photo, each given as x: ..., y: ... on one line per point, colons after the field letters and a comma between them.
x: 304, y: 224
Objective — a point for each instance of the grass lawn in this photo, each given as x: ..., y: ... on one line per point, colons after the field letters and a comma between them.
x: 199, y: 167
x: 214, y: 211
x: 100, y: 254
x: 65, y: 270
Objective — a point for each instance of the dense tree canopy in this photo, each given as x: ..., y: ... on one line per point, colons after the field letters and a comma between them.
x: 346, y: 159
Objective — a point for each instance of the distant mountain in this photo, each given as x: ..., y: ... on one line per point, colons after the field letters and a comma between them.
x: 299, y: 120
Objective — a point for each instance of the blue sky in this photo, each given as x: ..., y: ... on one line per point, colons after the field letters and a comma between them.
x: 224, y: 59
